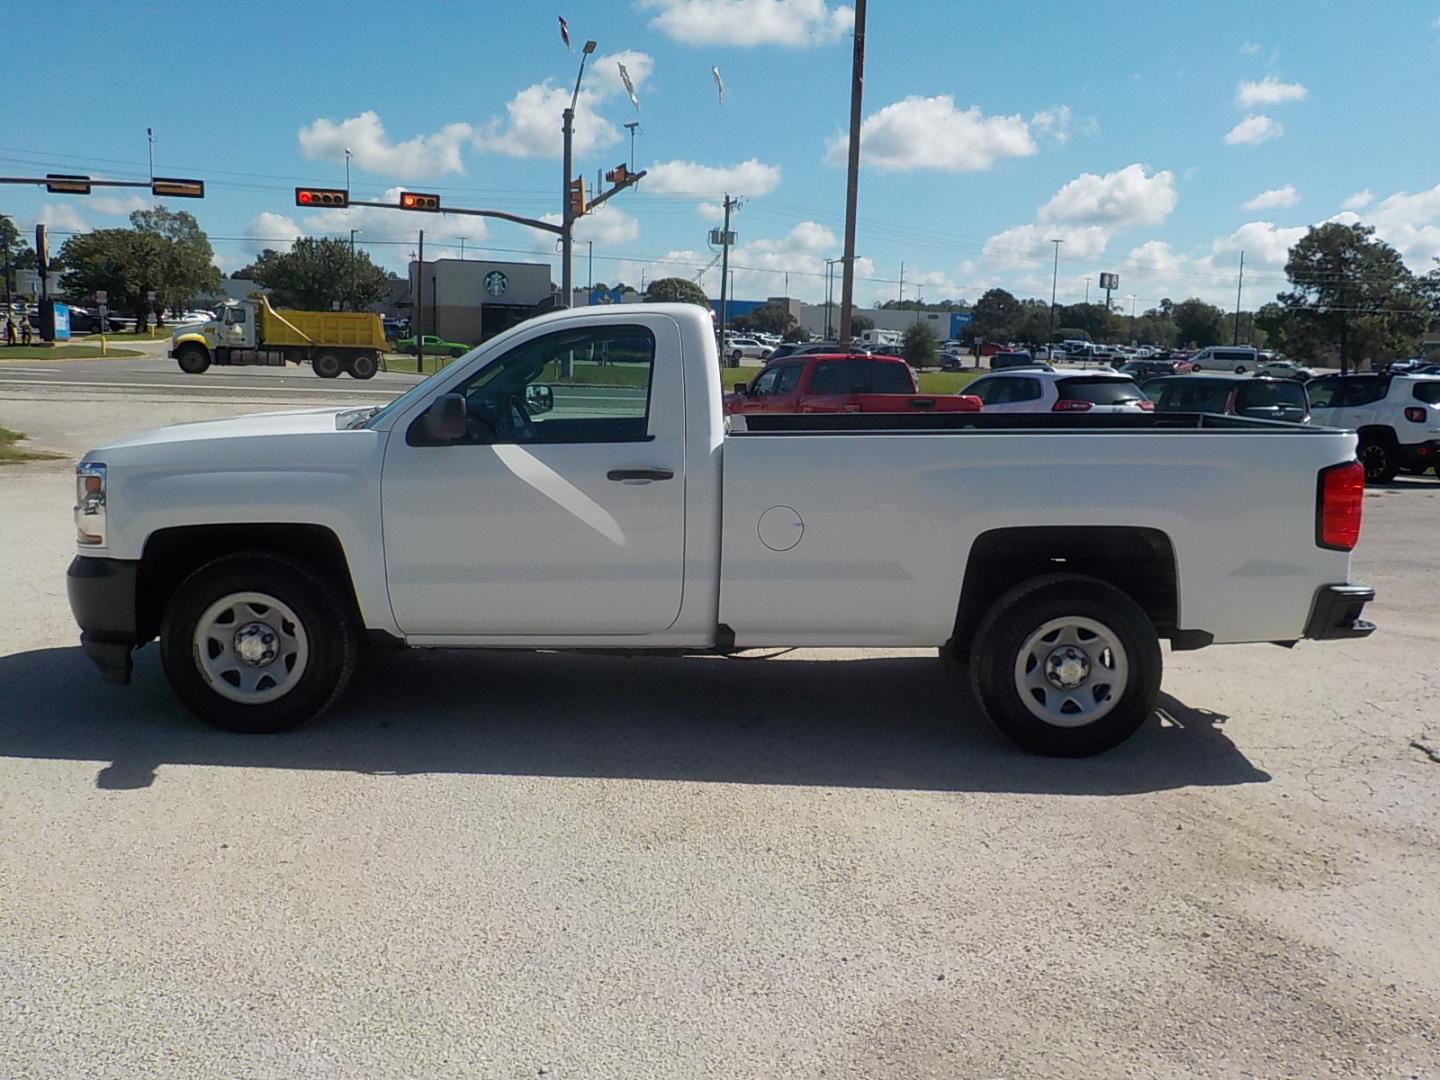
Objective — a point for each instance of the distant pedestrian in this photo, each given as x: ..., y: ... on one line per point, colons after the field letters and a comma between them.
x: 25, y: 332
x: 9, y: 330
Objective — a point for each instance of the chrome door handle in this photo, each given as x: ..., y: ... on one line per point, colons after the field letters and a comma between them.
x: 630, y: 475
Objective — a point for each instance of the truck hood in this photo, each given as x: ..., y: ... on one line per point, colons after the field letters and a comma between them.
x: 290, y: 422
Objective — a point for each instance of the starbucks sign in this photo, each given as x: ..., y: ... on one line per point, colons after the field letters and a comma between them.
x: 496, y: 283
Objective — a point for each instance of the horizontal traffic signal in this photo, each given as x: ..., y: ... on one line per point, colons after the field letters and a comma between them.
x: 618, y: 175
x: 177, y: 189
x: 414, y: 200
x: 61, y: 184
x: 306, y: 196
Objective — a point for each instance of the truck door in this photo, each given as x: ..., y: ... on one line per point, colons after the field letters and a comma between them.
x: 561, y: 511
x: 239, y: 332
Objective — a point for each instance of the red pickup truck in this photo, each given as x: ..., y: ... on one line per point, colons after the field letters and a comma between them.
x: 838, y: 383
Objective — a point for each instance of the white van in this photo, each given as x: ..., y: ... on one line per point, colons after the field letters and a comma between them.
x: 1237, y: 358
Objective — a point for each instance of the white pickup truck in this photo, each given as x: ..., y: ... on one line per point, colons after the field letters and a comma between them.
x: 573, y: 483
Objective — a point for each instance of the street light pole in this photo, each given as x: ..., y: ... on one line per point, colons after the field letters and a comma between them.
x: 347, y: 174
x: 852, y: 183
x: 1054, y: 277
x: 352, y: 267
x: 567, y: 216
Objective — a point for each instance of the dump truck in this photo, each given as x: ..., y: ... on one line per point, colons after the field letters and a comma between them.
x: 252, y: 332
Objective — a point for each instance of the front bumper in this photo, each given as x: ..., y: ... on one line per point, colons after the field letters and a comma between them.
x: 1335, y: 614
x: 102, y: 598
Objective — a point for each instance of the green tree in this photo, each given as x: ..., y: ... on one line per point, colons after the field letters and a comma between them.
x: 860, y: 323
x: 1196, y: 322
x: 674, y: 290
x: 187, y: 267
x: 797, y: 333
x: 1032, y: 322
x: 918, y: 345
x: 22, y: 257
x: 317, y: 272
x: 771, y: 318
x: 1355, y: 293
x: 1095, y: 320
x: 995, y: 315
x: 124, y: 263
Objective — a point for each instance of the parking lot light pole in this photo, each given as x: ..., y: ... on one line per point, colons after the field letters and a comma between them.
x: 567, y: 216
x: 1054, y: 277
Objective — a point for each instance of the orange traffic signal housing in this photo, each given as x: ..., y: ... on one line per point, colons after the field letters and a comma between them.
x: 577, y: 197
x: 414, y: 200
x: 305, y: 196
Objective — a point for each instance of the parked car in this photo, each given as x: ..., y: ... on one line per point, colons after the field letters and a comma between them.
x: 434, y: 346
x: 804, y: 348
x: 840, y: 383
x: 1036, y: 390
x: 1286, y: 369
x: 738, y: 348
x: 1237, y: 358
x: 1010, y: 359
x: 1260, y: 398
x: 1397, y: 418
x: 1142, y: 371
x: 518, y: 514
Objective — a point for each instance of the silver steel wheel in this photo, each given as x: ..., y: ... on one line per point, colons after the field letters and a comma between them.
x: 251, y: 648
x: 1071, y: 671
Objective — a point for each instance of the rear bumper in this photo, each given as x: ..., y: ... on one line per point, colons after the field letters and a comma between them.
x: 1423, y: 453
x: 102, y: 598
x: 1336, y: 612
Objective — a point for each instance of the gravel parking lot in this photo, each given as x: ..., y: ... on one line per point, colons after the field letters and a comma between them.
x: 810, y: 864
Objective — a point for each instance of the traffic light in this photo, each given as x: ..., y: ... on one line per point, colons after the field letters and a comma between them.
x: 306, y: 196
x: 414, y: 200
x: 618, y: 175
x: 62, y: 184
x: 577, y: 197
x: 178, y: 189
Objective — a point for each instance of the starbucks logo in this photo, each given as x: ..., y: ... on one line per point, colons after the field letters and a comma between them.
x: 496, y: 283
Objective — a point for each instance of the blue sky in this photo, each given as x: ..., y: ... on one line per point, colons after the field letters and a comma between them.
x: 1136, y: 132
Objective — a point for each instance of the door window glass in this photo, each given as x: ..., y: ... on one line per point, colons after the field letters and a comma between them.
x: 1322, y: 392
x: 573, y: 386
x: 789, y: 378
x: 765, y: 382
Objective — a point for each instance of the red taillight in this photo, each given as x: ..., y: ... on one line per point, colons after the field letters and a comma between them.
x: 1338, y: 504
x: 1071, y: 405
x: 1415, y: 414
x: 970, y: 403
x: 1147, y: 405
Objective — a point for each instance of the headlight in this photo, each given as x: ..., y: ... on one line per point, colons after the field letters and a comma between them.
x: 90, y: 486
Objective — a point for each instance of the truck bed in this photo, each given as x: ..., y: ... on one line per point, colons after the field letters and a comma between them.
x: 1051, y: 423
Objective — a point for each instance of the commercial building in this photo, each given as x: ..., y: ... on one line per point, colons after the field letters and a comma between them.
x: 470, y: 300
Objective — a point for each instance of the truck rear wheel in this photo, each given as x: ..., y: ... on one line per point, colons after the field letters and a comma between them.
x: 1066, y: 665
x: 257, y: 643
x: 193, y: 359
x: 363, y: 366
x: 327, y: 366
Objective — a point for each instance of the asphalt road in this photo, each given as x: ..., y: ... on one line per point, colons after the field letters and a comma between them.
x: 809, y: 864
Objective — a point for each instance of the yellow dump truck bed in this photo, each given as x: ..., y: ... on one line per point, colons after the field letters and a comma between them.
x: 345, y: 329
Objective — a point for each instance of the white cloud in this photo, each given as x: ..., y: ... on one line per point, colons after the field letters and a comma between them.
x: 1263, y: 242
x: 1410, y: 224
x: 1268, y: 200
x: 62, y: 218
x: 1268, y: 91
x: 1249, y: 48
x: 270, y: 230
x: 1254, y: 130
x: 420, y: 158
x: 1359, y: 200
x: 1156, y: 259
x: 794, y: 23
x: 709, y: 211
x: 604, y: 227
x: 116, y: 204
x: 1053, y: 124
x: 751, y: 177
x: 1436, y: 24
x: 931, y: 133
x: 1123, y: 199
x: 1026, y: 246
x: 532, y: 129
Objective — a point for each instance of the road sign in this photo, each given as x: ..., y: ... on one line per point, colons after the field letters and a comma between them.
x: 65, y: 184
x: 150, y: 295
x: 101, y: 296
x: 179, y: 189
x: 1109, y: 281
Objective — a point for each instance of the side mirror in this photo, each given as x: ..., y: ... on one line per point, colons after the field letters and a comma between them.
x: 539, y: 398
x: 742, y: 388
x: 444, y: 420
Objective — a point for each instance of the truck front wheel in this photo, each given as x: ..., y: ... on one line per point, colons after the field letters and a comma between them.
x: 257, y: 643
x: 193, y: 359
x: 327, y: 366
x: 1066, y: 665
x: 363, y: 366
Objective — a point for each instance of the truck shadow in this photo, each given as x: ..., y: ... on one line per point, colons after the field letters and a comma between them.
x: 898, y: 722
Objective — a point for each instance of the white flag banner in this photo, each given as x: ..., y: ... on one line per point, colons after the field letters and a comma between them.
x: 629, y: 86
x: 719, y: 82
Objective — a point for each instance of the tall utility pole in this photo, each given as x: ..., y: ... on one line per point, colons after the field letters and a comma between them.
x: 1054, y: 278
x: 567, y: 213
x: 725, y: 274
x: 830, y: 295
x: 852, y: 183
x: 902, y: 285
x: 1132, y: 298
x: 1239, y: 285
x: 352, y: 266
x: 417, y: 309
x: 1087, y: 290
x: 5, y: 241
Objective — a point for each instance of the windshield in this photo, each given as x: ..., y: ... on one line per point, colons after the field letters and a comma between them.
x: 1100, y: 391
x: 403, y: 402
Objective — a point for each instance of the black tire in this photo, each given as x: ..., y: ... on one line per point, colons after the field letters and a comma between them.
x: 1240, y: 371
x: 330, y: 635
x: 193, y: 359
x: 1414, y: 470
x: 1021, y: 613
x: 1379, y: 460
x: 363, y: 366
x: 327, y: 366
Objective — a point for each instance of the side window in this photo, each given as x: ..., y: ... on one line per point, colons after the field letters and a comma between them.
x: 1361, y: 391
x: 841, y: 377
x: 765, y: 382
x: 574, y: 386
x: 984, y: 389
x: 1428, y: 392
x: 1024, y: 389
x: 789, y: 378
x: 1322, y: 392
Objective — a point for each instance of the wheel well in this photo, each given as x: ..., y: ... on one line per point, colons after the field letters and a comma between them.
x: 172, y: 555
x: 1377, y: 433
x: 1139, y: 562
